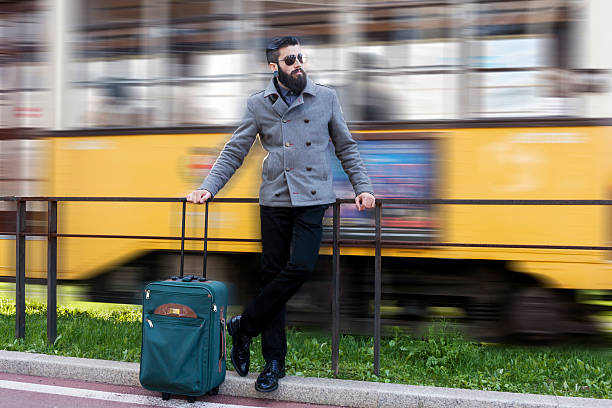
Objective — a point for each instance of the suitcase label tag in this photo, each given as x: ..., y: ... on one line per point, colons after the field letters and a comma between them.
x: 175, y: 310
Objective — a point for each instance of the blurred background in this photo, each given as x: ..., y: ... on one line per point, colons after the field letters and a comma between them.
x: 99, y: 63
x: 497, y: 99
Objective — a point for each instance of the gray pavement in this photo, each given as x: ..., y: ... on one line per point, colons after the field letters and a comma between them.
x: 322, y: 391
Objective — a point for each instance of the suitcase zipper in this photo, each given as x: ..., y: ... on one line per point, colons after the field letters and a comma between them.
x: 187, y: 286
x: 223, y: 344
x: 147, y: 293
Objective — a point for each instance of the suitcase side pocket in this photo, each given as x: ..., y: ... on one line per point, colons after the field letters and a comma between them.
x: 171, y: 358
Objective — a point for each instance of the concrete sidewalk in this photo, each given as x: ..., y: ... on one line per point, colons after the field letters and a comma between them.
x: 359, y: 394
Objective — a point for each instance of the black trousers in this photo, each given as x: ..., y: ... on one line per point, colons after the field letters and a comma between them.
x: 291, y: 237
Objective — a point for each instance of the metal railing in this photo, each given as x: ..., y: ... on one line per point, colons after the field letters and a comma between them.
x: 52, y: 235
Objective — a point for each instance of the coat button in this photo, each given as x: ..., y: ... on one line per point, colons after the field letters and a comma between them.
x: 308, y: 143
x: 306, y: 120
x: 308, y: 168
x: 277, y: 194
x: 313, y: 192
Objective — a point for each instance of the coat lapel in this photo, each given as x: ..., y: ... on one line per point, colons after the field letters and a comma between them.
x: 279, y: 106
x: 299, y: 101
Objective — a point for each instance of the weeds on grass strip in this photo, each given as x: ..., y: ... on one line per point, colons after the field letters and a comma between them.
x: 443, y: 358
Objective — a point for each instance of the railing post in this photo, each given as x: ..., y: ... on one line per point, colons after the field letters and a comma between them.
x: 20, y: 249
x: 336, y: 288
x: 377, y: 289
x: 205, y: 260
x: 52, y: 271
x: 183, y: 238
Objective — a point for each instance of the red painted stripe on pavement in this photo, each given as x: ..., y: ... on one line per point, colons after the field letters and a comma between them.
x: 24, y: 399
x: 122, y: 389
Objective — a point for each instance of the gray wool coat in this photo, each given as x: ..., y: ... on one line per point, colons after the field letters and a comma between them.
x: 297, y: 169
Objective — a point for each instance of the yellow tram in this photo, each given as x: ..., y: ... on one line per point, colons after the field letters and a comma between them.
x: 506, y: 100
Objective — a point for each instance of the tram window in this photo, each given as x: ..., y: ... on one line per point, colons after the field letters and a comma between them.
x: 24, y: 61
x: 512, y: 53
x: 510, y: 94
x: 431, y: 96
x: 514, y: 70
x: 142, y: 59
x: 215, y: 93
x: 520, y: 90
x: 432, y: 54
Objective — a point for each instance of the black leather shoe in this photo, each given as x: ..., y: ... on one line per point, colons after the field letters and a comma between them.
x: 241, y: 349
x: 268, y: 379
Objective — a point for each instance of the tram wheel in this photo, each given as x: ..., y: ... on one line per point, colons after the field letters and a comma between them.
x: 534, y: 314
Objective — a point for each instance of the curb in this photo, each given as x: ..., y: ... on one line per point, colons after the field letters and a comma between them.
x: 348, y: 393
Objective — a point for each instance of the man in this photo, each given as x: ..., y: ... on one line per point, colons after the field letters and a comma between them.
x: 295, y: 119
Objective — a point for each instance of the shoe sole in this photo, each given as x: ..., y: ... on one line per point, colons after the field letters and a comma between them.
x: 231, y: 333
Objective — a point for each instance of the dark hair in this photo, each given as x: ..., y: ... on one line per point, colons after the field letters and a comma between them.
x: 272, y: 50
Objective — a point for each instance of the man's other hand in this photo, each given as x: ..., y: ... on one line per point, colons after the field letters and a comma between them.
x: 198, y: 196
x: 364, y: 200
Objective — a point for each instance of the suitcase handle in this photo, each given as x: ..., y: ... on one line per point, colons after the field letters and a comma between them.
x: 190, y: 278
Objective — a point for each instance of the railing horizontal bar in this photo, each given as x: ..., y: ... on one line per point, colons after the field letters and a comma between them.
x: 405, y: 244
x: 133, y: 237
x: 450, y: 244
x: 128, y: 199
x: 150, y: 237
x: 388, y: 201
x: 432, y: 201
x: 356, y: 242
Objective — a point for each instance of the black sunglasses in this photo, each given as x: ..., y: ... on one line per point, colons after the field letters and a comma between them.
x: 290, y: 59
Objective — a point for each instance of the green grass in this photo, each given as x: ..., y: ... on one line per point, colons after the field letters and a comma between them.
x: 444, y: 358
x: 109, y: 335
x: 72, y: 296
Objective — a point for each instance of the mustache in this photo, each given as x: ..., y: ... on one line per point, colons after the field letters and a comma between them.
x: 298, y: 70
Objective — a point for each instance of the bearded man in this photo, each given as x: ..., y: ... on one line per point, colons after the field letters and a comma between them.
x: 295, y: 120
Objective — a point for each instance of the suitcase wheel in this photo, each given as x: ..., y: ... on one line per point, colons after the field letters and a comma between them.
x: 213, y: 391
x: 165, y: 396
x: 191, y: 399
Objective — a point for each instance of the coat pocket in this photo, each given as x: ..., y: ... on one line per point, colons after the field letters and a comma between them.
x: 323, y: 171
x: 173, y: 354
x: 272, y: 166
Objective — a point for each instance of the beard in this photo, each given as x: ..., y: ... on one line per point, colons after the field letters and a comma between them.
x: 296, y: 84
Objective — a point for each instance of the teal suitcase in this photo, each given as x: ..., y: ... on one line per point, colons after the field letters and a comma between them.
x: 183, y: 334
